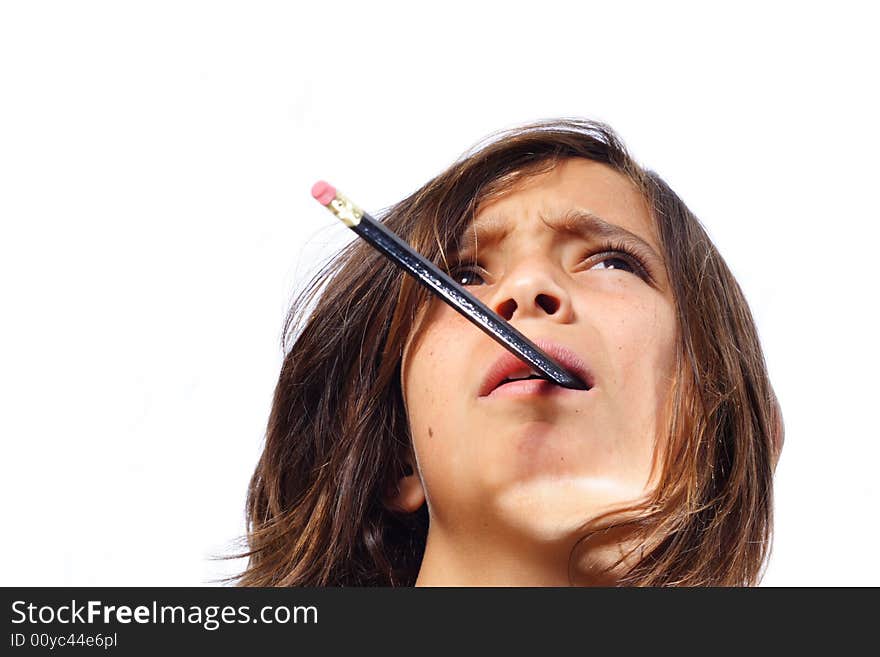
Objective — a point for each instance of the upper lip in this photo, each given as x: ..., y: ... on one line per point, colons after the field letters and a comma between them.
x: 507, y: 365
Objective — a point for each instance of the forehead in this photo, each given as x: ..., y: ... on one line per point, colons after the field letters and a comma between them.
x: 575, y: 185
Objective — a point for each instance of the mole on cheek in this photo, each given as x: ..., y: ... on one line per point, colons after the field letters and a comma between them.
x: 430, y: 433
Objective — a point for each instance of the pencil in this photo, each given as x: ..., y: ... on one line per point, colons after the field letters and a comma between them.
x: 437, y: 281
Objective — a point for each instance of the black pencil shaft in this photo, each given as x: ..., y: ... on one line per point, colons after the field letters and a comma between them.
x: 436, y: 280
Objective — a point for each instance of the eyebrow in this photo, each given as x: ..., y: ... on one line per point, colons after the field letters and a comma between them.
x: 580, y: 223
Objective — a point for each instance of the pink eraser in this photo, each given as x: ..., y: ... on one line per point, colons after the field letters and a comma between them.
x: 323, y: 192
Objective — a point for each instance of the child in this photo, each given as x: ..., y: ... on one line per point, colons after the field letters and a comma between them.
x: 392, y: 456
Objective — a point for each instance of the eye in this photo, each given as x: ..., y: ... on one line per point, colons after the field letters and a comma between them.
x: 466, y: 276
x: 611, y: 261
x: 621, y: 257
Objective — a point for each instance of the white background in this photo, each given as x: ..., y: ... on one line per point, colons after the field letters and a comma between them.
x: 155, y: 166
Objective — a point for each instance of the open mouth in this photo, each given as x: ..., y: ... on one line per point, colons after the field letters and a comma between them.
x: 531, y: 385
x: 528, y: 387
x: 509, y: 375
x: 533, y: 377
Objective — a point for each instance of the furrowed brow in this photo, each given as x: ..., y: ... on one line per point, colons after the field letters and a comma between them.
x: 591, y: 226
x: 488, y: 232
x: 580, y: 223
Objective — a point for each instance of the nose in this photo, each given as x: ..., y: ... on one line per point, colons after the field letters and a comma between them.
x: 531, y: 290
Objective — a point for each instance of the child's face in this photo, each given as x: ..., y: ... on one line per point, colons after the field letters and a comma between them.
x: 539, y: 466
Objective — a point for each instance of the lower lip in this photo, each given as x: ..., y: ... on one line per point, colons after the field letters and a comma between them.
x: 530, y: 388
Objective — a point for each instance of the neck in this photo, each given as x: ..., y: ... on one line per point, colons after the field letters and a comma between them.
x: 490, y: 560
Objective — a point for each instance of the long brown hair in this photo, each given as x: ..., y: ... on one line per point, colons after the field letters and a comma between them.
x: 338, y: 429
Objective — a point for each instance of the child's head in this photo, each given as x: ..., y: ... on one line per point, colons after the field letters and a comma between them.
x: 382, y: 436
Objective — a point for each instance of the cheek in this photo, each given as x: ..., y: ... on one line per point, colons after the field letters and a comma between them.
x: 427, y: 362
x: 637, y: 327
x: 431, y: 380
x: 642, y: 353
x: 645, y: 338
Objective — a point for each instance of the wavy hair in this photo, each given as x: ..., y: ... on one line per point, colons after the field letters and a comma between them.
x: 338, y: 429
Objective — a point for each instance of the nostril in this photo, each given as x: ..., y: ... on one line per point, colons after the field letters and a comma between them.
x: 549, y: 304
x: 507, y: 309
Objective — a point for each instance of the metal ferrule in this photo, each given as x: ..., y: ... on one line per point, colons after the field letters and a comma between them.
x: 346, y: 211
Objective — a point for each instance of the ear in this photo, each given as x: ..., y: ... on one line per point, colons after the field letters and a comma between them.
x: 407, y: 494
x: 778, y: 427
